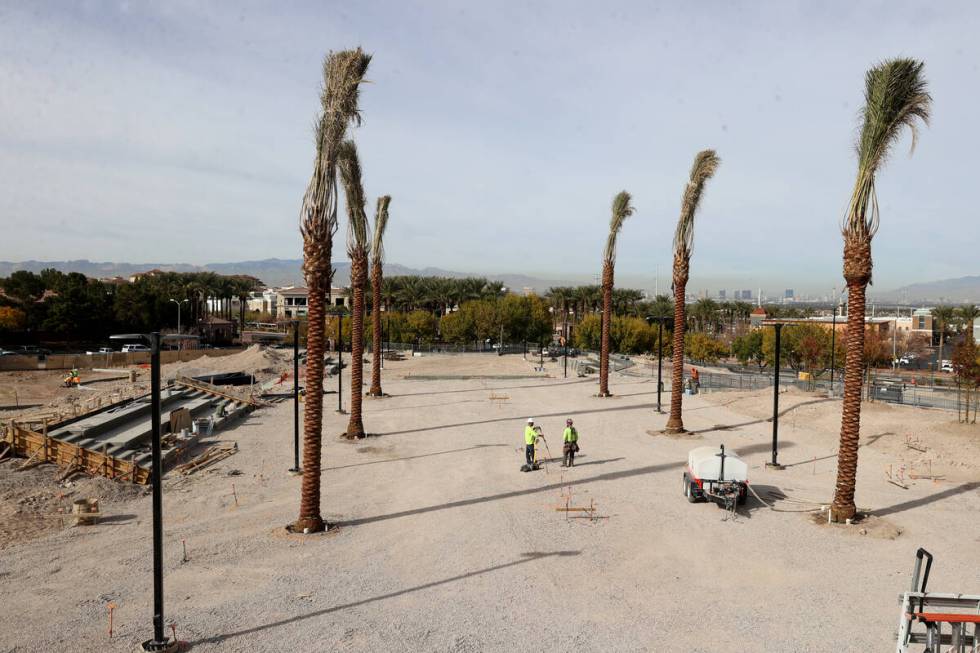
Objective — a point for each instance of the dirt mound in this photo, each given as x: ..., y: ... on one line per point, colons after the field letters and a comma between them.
x: 261, y: 361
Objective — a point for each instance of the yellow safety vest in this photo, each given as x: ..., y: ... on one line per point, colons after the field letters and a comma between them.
x: 571, y: 435
x: 530, y: 435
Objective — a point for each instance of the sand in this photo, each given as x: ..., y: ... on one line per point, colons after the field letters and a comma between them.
x: 443, y: 545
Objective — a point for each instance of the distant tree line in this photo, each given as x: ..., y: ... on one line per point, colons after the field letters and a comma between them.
x: 73, y: 307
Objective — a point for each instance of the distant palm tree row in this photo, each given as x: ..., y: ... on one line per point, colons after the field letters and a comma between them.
x: 436, y: 294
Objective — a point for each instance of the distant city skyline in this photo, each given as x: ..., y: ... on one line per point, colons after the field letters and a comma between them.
x: 181, y: 131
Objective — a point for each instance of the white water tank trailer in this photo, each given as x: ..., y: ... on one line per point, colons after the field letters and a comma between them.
x: 716, y: 475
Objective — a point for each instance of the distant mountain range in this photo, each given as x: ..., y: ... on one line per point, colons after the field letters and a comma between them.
x: 272, y: 271
x: 285, y: 272
x: 947, y: 291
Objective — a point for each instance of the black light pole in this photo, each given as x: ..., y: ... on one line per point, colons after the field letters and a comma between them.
x: 566, y: 350
x: 775, y: 405
x: 160, y: 641
x: 833, y: 351
x: 295, y: 469
x: 340, y: 362
x: 660, y: 360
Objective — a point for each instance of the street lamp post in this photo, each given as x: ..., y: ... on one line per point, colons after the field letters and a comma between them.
x: 295, y: 469
x: 660, y: 361
x: 178, y: 317
x: 160, y: 641
x: 660, y: 356
x: 340, y: 362
x: 775, y: 404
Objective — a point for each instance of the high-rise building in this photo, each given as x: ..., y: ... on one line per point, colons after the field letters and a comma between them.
x: 788, y: 294
x: 722, y: 295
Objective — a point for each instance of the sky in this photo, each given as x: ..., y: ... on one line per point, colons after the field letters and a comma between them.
x: 182, y: 132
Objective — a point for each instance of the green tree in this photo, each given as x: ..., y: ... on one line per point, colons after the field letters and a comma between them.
x: 748, y: 348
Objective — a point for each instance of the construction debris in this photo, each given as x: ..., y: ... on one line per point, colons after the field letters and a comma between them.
x: 209, y: 457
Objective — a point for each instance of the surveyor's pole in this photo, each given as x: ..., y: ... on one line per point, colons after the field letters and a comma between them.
x: 295, y: 468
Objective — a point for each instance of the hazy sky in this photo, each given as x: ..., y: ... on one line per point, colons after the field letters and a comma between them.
x: 181, y: 132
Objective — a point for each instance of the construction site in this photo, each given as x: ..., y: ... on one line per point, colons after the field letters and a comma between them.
x: 439, y: 543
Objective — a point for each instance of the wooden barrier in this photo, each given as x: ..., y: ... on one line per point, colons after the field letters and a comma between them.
x: 39, y: 448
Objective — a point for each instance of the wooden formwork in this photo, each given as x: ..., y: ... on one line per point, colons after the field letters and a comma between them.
x: 40, y: 448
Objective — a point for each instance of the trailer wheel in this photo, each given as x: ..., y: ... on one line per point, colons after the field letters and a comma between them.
x: 689, y: 491
x: 743, y: 495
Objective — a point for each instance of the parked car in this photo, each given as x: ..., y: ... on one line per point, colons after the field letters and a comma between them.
x: 126, y: 349
x: 7, y: 352
x: 101, y: 350
x: 32, y: 350
x: 947, y: 366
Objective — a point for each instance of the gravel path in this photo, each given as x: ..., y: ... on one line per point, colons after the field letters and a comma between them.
x: 443, y: 545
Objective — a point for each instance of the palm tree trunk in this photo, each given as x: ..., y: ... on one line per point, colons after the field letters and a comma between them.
x: 355, y: 427
x: 607, y: 287
x: 309, y: 507
x: 857, y: 272
x: 376, y: 352
x: 675, y: 423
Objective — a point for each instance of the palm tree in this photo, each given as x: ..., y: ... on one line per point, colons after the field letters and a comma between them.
x: 968, y: 314
x: 377, y: 263
x: 895, y: 98
x: 943, y: 317
x: 342, y: 74
x: 358, y: 247
x: 705, y: 164
x: 621, y: 209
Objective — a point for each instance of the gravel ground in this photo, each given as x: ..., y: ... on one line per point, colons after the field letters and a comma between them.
x: 443, y: 545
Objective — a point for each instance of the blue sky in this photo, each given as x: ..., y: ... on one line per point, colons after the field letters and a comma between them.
x: 181, y: 132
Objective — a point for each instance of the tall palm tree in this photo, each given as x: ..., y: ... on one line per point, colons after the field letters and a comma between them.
x: 377, y: 263
x: 358, y: 249
x: 943, y: 317
x: 705, y: 164
x: 895, y: 97
x: 342, y: 75
x: 621, y: 209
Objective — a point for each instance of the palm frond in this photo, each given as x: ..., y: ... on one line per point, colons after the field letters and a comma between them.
x: 380, y: 224
x: 895, y: 97
x: 343, y: 72
x: 357, y: 222
x: 621, y: 209
x: 705, y: 164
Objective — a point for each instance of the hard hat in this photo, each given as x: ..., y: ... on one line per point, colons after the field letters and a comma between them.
x: 530, y: 420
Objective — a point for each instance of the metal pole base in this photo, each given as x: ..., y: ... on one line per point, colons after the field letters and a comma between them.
x: 295, y: 472
x: 166, y: 646
x: 341, y: 411
x: 776, y: 466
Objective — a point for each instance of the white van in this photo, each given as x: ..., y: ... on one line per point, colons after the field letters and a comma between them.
x: 133, y: 348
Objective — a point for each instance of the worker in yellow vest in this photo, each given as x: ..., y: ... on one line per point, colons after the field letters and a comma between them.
x: 531, y: 433
x: 571, y: 444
